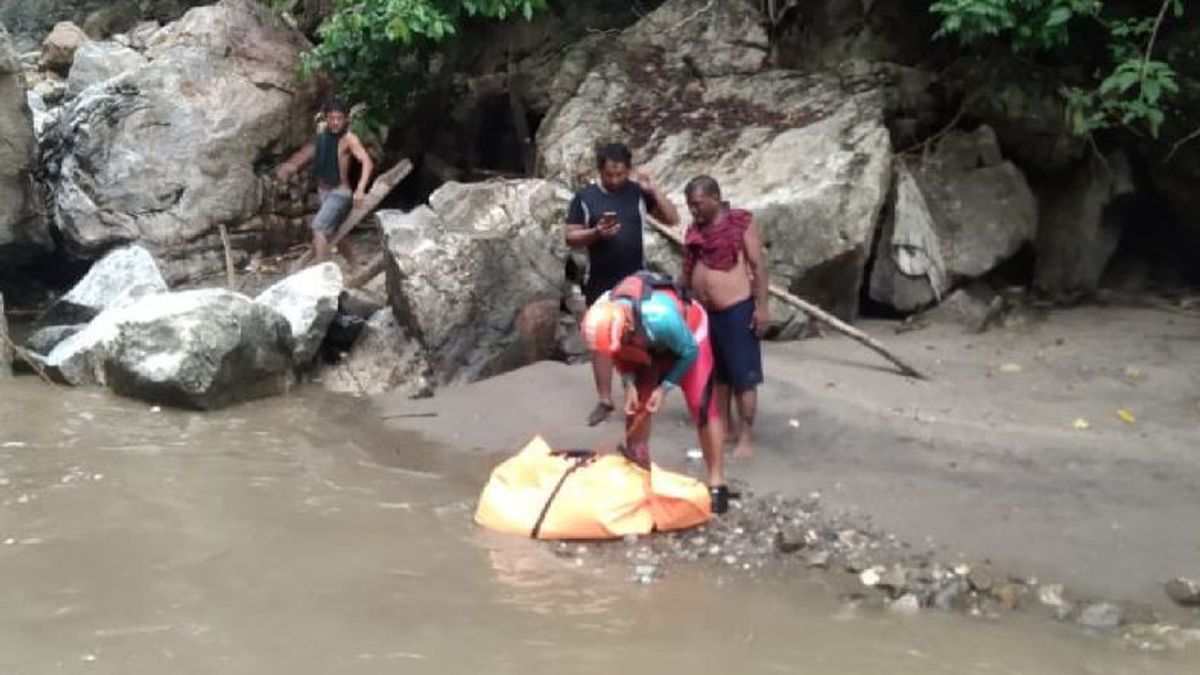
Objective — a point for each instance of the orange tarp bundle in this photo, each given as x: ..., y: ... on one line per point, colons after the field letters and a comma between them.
x: 601, y: 497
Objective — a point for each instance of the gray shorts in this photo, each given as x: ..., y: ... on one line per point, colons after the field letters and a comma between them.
x: 335, y: 204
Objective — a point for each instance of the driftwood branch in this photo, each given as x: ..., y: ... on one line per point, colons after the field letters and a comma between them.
x: 820, y: 315
x: 381, y: 188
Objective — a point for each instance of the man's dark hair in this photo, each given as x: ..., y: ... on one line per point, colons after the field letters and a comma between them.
x: 336, y: 104
x: 613, y: 152
x: 704, y: 184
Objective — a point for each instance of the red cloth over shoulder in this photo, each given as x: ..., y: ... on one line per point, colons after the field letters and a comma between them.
x: 718, y: 244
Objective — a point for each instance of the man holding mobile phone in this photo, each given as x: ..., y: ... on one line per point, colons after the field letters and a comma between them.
x: 607, y: 218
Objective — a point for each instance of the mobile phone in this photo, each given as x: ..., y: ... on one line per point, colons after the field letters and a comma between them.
x: 608, y: 217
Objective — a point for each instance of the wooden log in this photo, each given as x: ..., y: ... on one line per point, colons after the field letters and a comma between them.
x: 381, y: 188
x: 820, y: 315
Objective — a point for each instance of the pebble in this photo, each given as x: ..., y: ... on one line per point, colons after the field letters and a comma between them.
x: 1184, y: 591
x: 1051, y: 595
x: 871, y: 576
x: 906, y: 604
x: 1101, y: 615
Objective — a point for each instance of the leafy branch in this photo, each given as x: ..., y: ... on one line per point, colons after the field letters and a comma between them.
x: 1129, y: 92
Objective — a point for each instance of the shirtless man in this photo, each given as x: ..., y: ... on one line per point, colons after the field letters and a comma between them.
x: 724, y: 270
x: 332, y: 149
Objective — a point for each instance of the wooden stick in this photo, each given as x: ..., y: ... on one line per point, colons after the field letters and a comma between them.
x: 230, y: 275
x: 382, y: 186
x: 22, y: 354
x: 820, y: 315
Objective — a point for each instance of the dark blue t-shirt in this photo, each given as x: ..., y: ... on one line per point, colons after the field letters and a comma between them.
x: 611, y: 260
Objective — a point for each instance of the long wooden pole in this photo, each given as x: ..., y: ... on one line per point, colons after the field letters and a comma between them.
x: 820, y: 315
x: 382, y: 186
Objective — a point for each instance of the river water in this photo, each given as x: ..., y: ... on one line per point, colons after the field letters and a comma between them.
x: 292, y: 536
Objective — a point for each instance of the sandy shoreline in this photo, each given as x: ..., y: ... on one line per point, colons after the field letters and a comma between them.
x: 983, y: 461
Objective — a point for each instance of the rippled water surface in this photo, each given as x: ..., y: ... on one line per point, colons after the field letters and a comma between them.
x: 291, y: 536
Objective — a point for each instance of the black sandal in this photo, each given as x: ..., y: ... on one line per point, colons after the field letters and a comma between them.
x: 719, y: 494
x: 600, y: 413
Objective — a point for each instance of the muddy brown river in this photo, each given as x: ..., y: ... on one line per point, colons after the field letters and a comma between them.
x: 292, y: 536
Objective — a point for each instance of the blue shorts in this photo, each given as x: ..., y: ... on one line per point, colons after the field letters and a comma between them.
x: 736, y: 349
x: 335, y: 205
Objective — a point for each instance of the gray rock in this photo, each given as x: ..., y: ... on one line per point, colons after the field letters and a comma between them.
x: 477, y: 278
x: 116, y: 280
x: 199, y: 349
x: 906, y: 604
x: 23, y: 229
x: 1101, y: 615
x: 807, y: 154
x: 954, y: 217
x: 97, y: 62
x: 309, y: 301
x: 5, y: 348
x: 384, y: 359
x: 360, y: 303
x: 976, y: 307
x: 58, y: 49
x: 953, y: 596
x: 1184, y: 591
x: 160, y: 156
x: 1077, y: 236
x: 44, y: 340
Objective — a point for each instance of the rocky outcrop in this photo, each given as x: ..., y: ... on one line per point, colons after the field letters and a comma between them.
x: 954, y: 216
x: 308, y: 300
x: 59, y: 47
x: 477, y: 277
x: 115, y: 281
x: 199, y: 349
x: 5, y: 344
x: 808, y: 154
x: 164, y: 153
x: 97, y: 62
x: 1076, y: 238
x: 383, y: 359
x: 23, y: 230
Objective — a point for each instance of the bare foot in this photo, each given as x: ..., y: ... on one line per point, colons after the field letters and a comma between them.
x: 744, y: 446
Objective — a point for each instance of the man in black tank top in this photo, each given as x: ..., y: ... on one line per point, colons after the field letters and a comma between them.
x: 330, y: 152
x: 607, y: 218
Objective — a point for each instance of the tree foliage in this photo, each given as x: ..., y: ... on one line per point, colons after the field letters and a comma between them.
x: 382, y: 51
x: 1128, y: 89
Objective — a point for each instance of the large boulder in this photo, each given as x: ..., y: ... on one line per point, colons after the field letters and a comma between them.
x: 59, y: 47
x: 474, y: 276
x: 115, y: 281
x: 23, y: 231
x: 1076, y: 237
x: 383, y: 359
x: 808, y: 154
x: 202, y: 349
x: 100, y: 61
x: 309, y: 301
x: 955, y: 215
x: 165, y: 153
